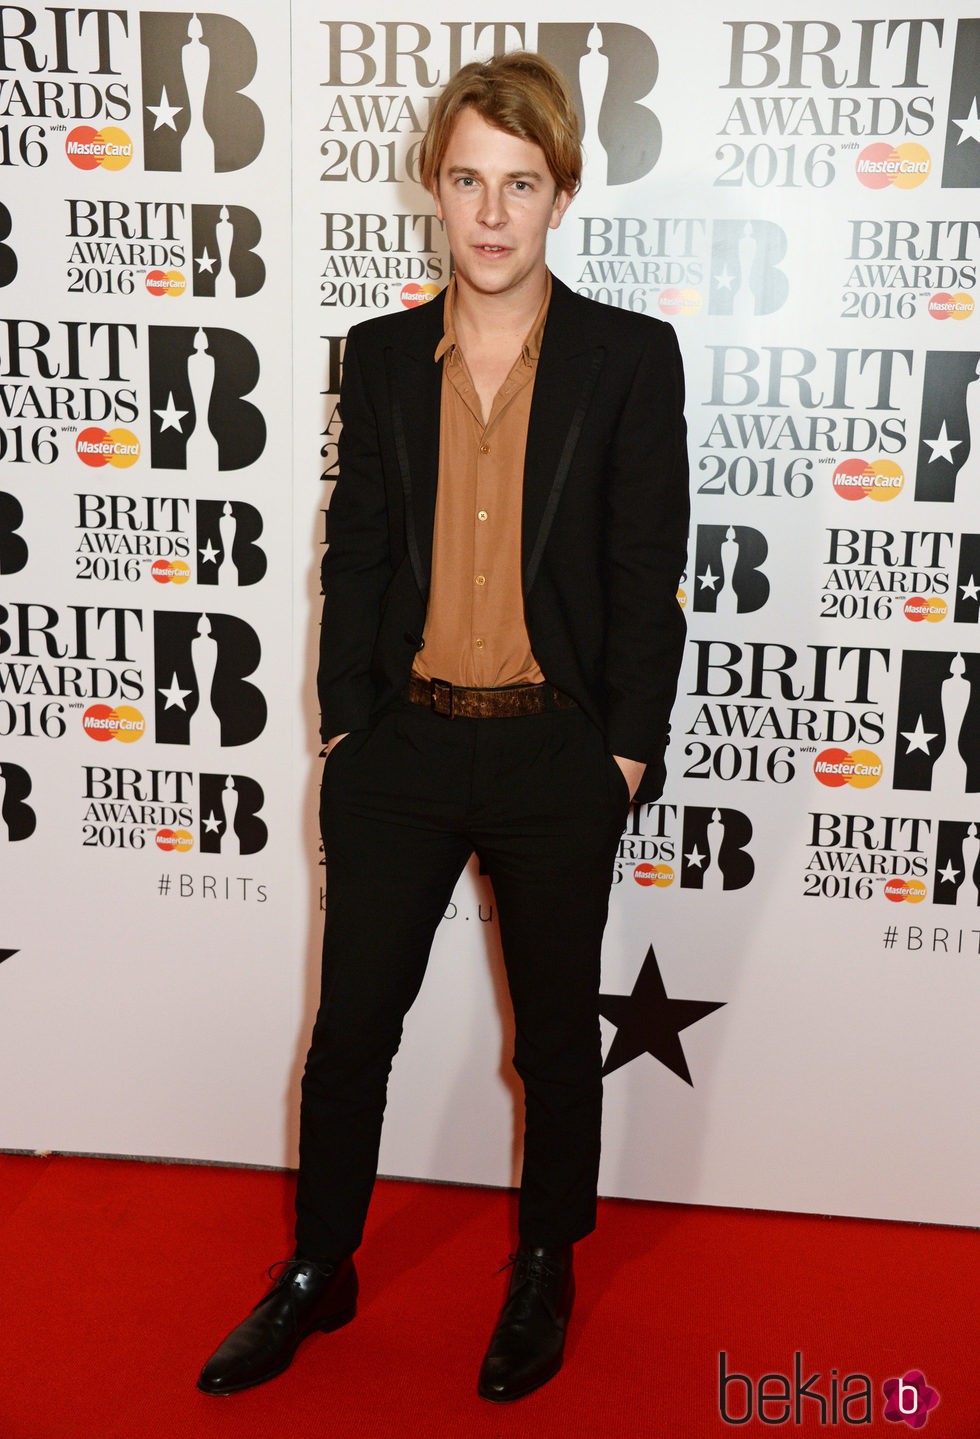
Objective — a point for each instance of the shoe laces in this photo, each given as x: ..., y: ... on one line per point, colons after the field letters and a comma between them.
x: 532, y: 1266
x: 285, y: 1266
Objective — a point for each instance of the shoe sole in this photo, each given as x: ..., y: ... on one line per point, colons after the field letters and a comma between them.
x: 325, y: 1326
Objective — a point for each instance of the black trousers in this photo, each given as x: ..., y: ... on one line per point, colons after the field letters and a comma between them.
x: 403, y: 806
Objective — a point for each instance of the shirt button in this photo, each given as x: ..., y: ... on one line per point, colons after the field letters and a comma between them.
x: 481, y: 514
x: 481, y: 579
x: 484, y: 449
x: 479, y: 644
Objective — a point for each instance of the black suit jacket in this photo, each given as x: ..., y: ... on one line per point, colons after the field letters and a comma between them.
x: 605, y: 517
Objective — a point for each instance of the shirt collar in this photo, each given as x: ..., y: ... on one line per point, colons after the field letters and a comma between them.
x: 531, y: 348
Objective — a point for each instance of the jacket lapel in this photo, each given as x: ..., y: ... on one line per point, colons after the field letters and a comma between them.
x: 568, y: 368
x: 414, y: 392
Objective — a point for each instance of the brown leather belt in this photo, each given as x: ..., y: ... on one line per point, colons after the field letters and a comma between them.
x: 462, y: 702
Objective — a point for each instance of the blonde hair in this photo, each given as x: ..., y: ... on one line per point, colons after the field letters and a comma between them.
x: 519, y: 93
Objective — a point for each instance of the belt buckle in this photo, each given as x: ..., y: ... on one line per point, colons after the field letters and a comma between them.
x: 441, y: 697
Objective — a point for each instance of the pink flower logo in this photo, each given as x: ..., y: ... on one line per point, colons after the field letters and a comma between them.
x: 909, y: 1399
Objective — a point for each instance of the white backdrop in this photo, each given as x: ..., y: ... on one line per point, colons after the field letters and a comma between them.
x: 194, y: 209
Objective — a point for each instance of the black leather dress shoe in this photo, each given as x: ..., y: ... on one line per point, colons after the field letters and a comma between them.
x: 529, y: 1340
x: 304, y: 1297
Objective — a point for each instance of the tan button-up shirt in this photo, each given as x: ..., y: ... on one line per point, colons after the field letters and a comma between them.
x: 475, y: 632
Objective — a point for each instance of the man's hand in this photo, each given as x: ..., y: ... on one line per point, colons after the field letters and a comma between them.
x: 633, y: 772
x: 334, y: 740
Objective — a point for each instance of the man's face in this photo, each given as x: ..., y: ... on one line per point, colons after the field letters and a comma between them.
x: 497, y: 200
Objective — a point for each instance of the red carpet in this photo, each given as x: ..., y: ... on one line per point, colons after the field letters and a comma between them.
x: 120, y: 1277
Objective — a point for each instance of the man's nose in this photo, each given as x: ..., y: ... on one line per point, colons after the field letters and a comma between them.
x: 492, y: 210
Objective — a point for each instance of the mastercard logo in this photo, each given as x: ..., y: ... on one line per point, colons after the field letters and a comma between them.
x: 89, y: 149
x: 861, y: 768
x: 951, y: 307
x: 413, y: 295
x: 647, y: 874
x: 680, y: 302
x: 904, y: 166
x: 166, y: 282
x: 174, y: 839
x: 123, y: 723
x: 857, y: 480
x: 913, y: 891
x: 170, y: 572
x: 932, y: 610
x: 98, y: 447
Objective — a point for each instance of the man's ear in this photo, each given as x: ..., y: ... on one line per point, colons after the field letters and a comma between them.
x: 563, y: 199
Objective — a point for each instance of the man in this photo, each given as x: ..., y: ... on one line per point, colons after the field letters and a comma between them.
x: 500, y: 648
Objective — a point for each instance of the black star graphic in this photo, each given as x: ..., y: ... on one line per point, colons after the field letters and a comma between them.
x: 6, y: 953
x: 647, y: 1022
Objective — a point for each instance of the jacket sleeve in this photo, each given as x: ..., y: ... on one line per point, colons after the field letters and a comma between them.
x: 646, y: 549
x: 357, y: 565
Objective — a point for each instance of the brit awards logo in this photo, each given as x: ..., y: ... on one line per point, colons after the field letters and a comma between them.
x: 949, y: 431
x: 8, y: 256
x: 92, y: 362
x: 224, y: 240
x: 229, y: 810
x: 203, y: 695
x: 117, y: 244
x: 746, y: 278
x: 168, y: 538
x: 853, y: 856
x: 128, y: 808
x: 195, y: 116
x: 53, y: 660
x: 893, y: 265
x: 956, y: 880
x: 961, y: 161
x: 611, y: 70
x: 713, y: 844
x: 966, y: 608
x: 938, y: 726
x: 17, y: 819
x: 627, y: 256
x: 227, y: 554
x: 769, y: 403
x: 871, y: 574
x: 728, y: 575
x: 198, y: 381
x: 756, y: 692
x: 13, y: 546
x: 714, y: 849
x: 813, y: 60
